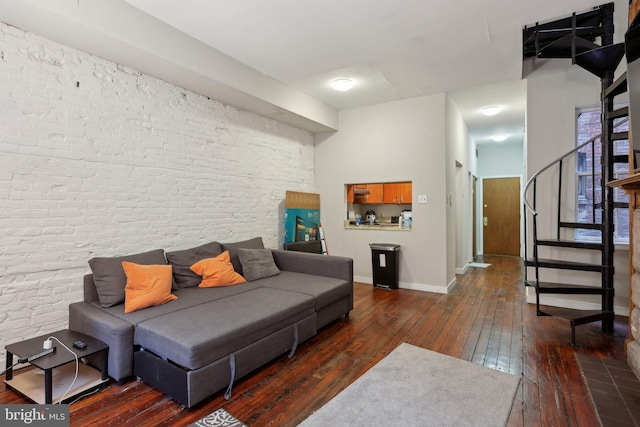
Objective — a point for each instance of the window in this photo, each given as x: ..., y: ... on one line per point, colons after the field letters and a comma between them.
x: 589, y: 181
x: 582, y: 177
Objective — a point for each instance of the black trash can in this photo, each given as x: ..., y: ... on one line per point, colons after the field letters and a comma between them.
x: 385, y: 259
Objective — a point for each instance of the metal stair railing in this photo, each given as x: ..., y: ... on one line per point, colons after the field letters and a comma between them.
x: 531, y: 205
x: 559, y: 160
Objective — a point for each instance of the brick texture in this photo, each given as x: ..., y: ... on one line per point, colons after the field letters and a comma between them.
x: 97, y: 159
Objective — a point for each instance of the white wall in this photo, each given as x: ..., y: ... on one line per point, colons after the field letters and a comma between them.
x: 396, y: 141
x: 100, y: 160
x: 500, y: 160
x: 459, y: 208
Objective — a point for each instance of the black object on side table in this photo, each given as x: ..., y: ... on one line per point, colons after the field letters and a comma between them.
x: 59, y: 364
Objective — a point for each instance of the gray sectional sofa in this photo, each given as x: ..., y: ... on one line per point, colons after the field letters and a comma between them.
x: 198, y: 344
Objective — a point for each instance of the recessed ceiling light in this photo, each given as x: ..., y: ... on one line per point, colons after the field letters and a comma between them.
x: 342, y: 84
x: 491, y: 110
x: 499, y: 138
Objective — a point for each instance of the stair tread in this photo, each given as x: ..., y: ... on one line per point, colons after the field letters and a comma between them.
x: 616, y: 205
x: 620, y: 112
x: 570, y: 244
x: 577, y: 317
x: 564, y: 265
x: 551, y: 287
x: 556, y: 261
x: 620, y: 136
x: 601, y: 60
x: 617, y: 87
x: 584, y: 225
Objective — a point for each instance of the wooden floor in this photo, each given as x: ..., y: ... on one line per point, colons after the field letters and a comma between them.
x: 485, y: 320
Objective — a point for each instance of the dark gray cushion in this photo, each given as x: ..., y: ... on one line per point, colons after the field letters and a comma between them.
x: 109, y: 277
x: 194, y: 337
x: 255, y: 243
x: 187, y: 298
x: 325, y: 290
x: 257, y: 263
x: 184, y: 259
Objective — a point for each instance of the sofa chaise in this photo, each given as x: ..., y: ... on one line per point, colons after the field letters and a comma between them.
x: 203, y: 338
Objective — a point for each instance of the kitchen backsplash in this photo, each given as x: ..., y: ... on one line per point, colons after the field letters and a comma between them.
x: 383, y: 212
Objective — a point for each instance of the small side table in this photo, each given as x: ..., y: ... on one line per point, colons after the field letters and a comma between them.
x: 30, y: 383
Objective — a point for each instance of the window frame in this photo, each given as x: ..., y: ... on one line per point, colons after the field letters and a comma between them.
x: 581, y: 192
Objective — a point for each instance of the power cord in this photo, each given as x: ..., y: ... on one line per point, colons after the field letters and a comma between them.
x: 29, y: 359
x: 77, y: 367
x: 11, y: 367
x: 82, y: 396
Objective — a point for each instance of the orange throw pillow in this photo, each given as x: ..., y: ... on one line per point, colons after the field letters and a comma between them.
x: 217, y: 271
x: 147, y: 286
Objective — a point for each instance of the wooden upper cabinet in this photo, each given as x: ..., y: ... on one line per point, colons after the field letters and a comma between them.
x: 397, y: 193
x: 405, y: 190
x: 390, y: 193
x: 375, y: 194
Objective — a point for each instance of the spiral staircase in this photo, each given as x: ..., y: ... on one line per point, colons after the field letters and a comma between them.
x: 587, y: 39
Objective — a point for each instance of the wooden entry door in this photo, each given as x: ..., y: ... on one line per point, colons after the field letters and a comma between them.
x: 501, y: 216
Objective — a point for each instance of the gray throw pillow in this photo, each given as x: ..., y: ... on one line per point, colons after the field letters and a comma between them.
x: 184, y: 259
x: 255, y: 243
x: 257, y: 263
x: 109, y: 276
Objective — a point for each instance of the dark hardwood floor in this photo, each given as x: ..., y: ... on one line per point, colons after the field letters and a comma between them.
x: 485, y: 320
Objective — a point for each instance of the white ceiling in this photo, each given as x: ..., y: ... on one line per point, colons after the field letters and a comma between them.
x: 391, y: 49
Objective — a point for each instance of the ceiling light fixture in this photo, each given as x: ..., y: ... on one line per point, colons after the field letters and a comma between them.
x: 342, y: 84
x: 491, y: 110
x: 499, y: 138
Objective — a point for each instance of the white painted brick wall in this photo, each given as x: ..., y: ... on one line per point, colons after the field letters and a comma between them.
x: 99, y: 160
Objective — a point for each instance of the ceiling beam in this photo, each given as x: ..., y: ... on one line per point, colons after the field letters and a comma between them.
x: 119, y: 32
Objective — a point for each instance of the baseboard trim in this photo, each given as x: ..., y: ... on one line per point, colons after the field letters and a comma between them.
x: 463, y: 270
x: 413, y: 286
x: 452, y: 284
x: 423, y: 287
x: 363, y: 279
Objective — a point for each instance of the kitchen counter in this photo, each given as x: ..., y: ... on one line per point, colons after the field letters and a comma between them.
x: 378, y: 226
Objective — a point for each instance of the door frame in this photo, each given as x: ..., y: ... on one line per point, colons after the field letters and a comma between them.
x: 474, y: 215
x: 480, y: 210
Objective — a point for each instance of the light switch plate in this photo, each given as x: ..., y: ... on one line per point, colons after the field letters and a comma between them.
x: 422, y: 198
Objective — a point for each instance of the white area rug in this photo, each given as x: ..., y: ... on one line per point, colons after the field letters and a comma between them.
x: 416, y: 387
x: 479, y: 264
